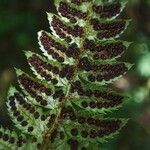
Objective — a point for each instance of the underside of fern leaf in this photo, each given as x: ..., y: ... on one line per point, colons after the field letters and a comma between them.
x: 64, y: 104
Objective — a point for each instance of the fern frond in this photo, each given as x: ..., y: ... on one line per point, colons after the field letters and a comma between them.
x: 63, y: 106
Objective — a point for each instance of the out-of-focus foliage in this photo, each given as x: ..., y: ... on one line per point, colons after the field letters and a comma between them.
x: 143, y: 65
x: 21, y: 19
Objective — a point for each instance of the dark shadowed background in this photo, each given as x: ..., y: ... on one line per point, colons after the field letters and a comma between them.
x: 20, y: 20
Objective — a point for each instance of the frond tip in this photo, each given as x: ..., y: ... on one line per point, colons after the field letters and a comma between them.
x: 63, y: 105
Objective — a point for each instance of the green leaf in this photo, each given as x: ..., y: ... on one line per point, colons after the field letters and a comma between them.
x: 63, y: 105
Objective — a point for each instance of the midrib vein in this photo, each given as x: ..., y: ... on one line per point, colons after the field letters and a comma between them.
x: 47, y: 135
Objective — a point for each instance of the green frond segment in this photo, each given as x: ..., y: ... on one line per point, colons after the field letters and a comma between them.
x: 95, y: 98
x: 7, y: 139
x: 108, y: 10
x: 101, y: 73
x: 73, y: 11
x: 63, y: 30
x: 104, y: 29
x: 25, y: 115
x: 107, y: 50
x: 53, y: 74
x: 99, y: 27
x: 39, y: 93
x: 46, y: 70
x: 51, y: 44
x: 81, y: 129
x: 11, y: 140
x: 96, y: 103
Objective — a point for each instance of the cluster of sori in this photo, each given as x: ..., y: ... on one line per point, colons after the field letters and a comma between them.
x: 104, y: 99
x: 108, y: 10
x: 114, y: 102
x: 103, y: 127
x: 40, y: 66
x: 97, y: 25
x: 51, y: 120
x: 59, y: 94
x: 109, y: 33
x: 73, y: 51
x: 104, y: 51
x: 110, y: 71
x: 27, y: 83
x: 17, y: 98
x: 67, y: 72
x: 63, y: 30
x: 32, y: 87
x: 68, y: 112
x: 71, y: 13
x: 85, y: 64
x: 49, y: 43
x: 107, y: 71
x: 19, y: 141
x: 17, y: 101
x: 108, y: 29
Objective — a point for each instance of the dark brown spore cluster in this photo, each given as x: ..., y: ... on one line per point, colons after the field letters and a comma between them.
x: 40, y: 66
x: 59, y: 94
x: 62, y: 30
x: 12, y: 140
x: 53, y: 136
x: 29, y: 108
x: 107, y: 71
x: 68, y: 112
x: 48, y: 43
x: 109, y: 33
x: 67, y: 72
x: 77, y: 87
x: 73, y: 51
x: 107, y: 10
x: 102, y: 104
x: 107, y: 127
x: 67, y: 11
x: 26, y: 106
x: 110, y: 71
x: 104, y: 127
x: 28, y: 83
x: 108, y: 29
x: 97, y: 25
x: 109, y: 99
x: 32, y: 86
x: 104, y: 51
x: 73, y: 144
x: 51, y: 120
x: 85, y: 64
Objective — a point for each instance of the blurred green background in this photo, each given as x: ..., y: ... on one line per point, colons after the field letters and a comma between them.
x: 20, y: 20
